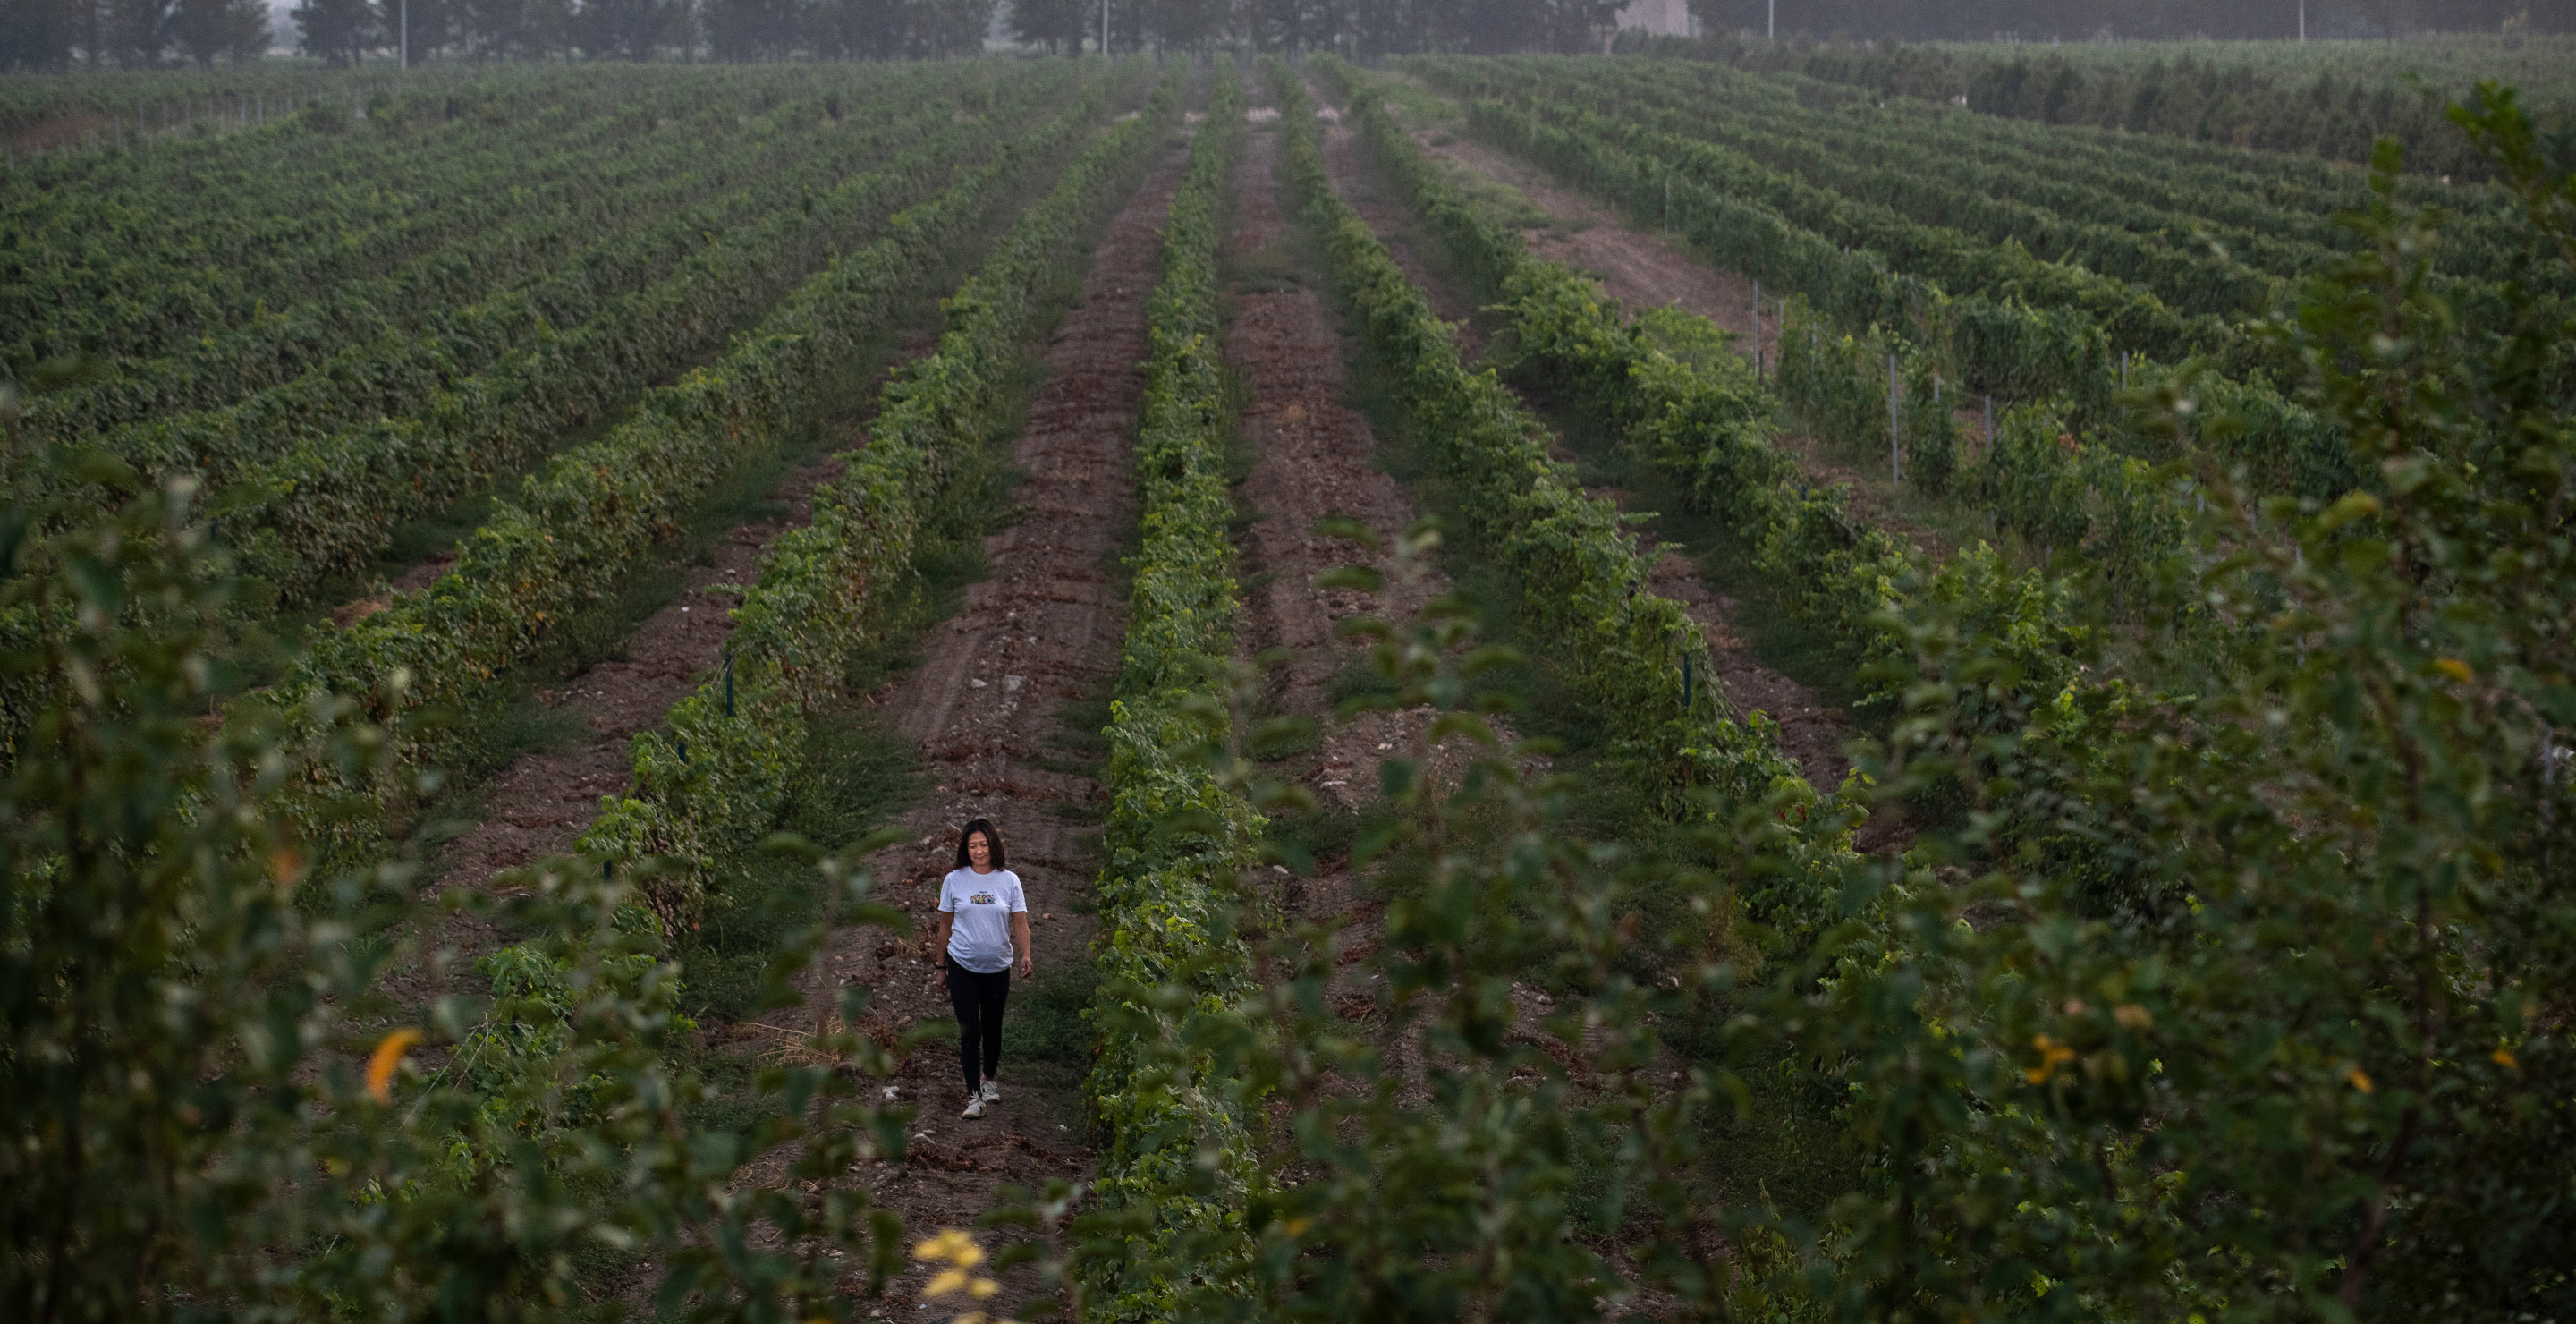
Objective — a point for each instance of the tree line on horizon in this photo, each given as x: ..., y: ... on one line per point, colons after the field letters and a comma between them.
x: 2149, y: 20
x: 52, y: 35
x: 56, y: 35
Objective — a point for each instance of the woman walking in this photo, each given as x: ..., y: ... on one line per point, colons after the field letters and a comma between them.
x: 983, y: 915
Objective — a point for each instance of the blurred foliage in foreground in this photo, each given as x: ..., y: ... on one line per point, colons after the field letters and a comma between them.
x: 214, y: 1107
x: 2247, y: 1002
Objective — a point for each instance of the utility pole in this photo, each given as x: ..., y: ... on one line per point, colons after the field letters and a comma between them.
x: 1104, y: 27
x: 1772, y: 32
x: 2303, y: 21
x: 405, y: 58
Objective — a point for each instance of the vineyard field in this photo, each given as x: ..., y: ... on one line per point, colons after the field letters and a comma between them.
x: 1719, y: 681
x: 2239, y: 101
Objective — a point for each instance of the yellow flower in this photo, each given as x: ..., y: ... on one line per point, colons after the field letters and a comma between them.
x: 2455, y: 669
x: 960, y: 1252
x: 2052, y: 1055
x: 2359, y: 1078
x: 388, y: 1055
x: 953, y: 1245
x: 2504, y: 1058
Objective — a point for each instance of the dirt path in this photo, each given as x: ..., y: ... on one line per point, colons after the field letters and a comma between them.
x: 1044, y: 628
x: 1639, y: 270
x: 1811, y: 732
x: 543, y: 801
x: 1315, y: 456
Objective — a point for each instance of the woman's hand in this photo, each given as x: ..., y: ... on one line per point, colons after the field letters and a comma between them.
x: 1028, y: 962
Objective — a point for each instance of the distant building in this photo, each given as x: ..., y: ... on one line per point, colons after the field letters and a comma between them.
x: 1669, y: 18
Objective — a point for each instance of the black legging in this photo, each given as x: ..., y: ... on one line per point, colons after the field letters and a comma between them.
x: 978, y: 999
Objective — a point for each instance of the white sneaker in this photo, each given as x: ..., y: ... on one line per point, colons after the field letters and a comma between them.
x: 992, y: 1090
x: 975, y: 1107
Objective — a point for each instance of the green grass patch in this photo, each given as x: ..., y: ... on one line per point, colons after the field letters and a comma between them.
x: 858, y: 772
x: 1045, y: 1023
x: 1317, y: 841
x: 1272, y: 270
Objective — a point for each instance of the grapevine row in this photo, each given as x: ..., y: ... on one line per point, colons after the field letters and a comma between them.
x: 223, y: 175
x: 2263, y: 210
x: 211, y: 251
x: 331, y: 502
x: 709, y: 784
x: 1165, y: 894
x: 2253, y: 200
x: 2022, y: 201
x: 1706, y: 427
x: 2002, y: 347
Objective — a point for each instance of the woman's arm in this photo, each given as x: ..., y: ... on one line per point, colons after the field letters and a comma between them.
x: 939, y: 949
x: 1028, y: 950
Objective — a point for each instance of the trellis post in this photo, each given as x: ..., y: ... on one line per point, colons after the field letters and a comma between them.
x: 1895, y: 456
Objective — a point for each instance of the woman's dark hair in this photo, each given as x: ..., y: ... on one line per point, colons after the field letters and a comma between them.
x: 992, y: 836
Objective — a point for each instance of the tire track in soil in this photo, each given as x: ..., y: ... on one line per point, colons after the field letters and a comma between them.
x: 1648, y: 274
x: 1042, y: 629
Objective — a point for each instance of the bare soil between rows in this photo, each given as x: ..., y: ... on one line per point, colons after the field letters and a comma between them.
x: 1643, y: 270
x: 542, y: 801
x: 1314, y: 457
x: 540, y: 804
x: 1318, y: 456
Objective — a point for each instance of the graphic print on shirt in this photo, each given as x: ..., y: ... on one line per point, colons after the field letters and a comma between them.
x: 979, y: 937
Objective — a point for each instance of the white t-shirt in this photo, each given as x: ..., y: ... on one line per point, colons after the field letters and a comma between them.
x: 983, y: 904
